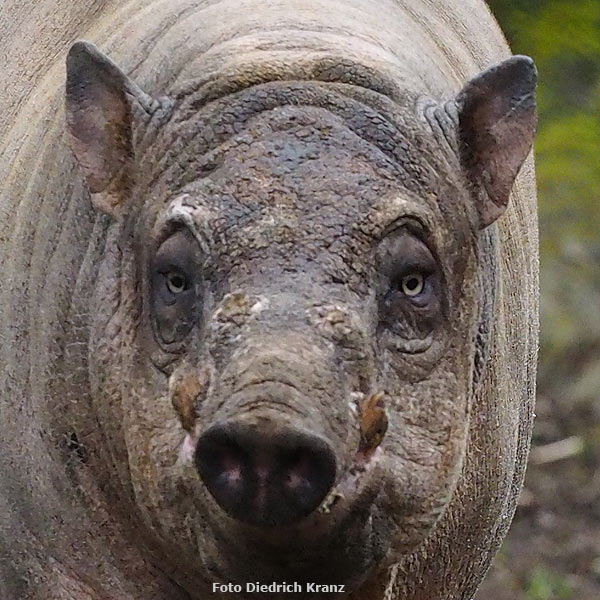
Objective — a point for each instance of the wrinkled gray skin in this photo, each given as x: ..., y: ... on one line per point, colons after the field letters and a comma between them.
x: 299, y: 159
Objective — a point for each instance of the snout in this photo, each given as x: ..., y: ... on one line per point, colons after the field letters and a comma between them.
x: 264, y: 474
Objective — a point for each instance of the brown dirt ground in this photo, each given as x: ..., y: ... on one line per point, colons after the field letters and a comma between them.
x: 552, y: 551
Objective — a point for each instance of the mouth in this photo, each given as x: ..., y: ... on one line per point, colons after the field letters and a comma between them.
x: 351, y: 499
x: 339, y: 541
x: 358, y: 475
x: 373, y: 423
x: 355, y: 487
x: 355, y: 482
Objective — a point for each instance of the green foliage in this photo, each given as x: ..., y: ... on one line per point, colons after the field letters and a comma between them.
x: 557, y: 563
x: 567, y: 152
x: 563, y: 37
x: 544, y: 585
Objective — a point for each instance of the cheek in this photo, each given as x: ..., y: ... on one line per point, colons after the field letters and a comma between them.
x: 160, y: 475
x: 430, y: 416
x: 424, y: 448
x: 153, y: 432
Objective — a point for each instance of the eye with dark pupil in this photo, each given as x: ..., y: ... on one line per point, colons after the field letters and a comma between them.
x: 176, y: 283
x: 412, y: 284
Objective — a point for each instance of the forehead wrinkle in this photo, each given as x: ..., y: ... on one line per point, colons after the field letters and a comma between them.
x: 325, y: 140
x: 264, y: 126
x: 211, y: 225
x: 226, y: 121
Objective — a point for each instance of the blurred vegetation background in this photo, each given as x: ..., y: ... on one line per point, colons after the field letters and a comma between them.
x: 553, y: 549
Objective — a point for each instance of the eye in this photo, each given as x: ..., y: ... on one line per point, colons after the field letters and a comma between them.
x: 176, y: 282
x: 412, y: 284
x: 410, y: 287
x: 176, y: 287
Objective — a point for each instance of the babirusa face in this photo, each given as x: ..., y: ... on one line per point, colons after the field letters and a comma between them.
x: 298, y: 277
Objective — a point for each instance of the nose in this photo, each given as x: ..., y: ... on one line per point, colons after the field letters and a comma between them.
x: 265, y: 475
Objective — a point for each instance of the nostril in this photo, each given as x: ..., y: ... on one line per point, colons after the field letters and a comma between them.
x: 265, y: 479
x: 228, y: 465
x: 222, y: 463
x: 298, y: 475
x: 304, y: 476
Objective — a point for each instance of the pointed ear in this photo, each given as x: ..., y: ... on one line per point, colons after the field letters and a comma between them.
x: 497, y: 120
x: 99, y: 103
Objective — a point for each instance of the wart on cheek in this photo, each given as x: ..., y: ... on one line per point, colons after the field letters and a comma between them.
x: 187, y: 386
x: 373, y: 423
